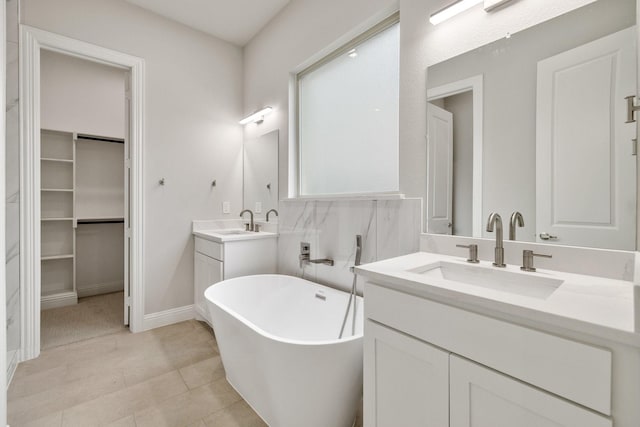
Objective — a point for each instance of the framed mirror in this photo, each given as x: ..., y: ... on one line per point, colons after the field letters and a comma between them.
x: 536, y: 123
x: 260, y: 173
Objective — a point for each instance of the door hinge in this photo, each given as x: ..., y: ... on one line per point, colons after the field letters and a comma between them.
x: 634, y: 147
x: 631, y: 108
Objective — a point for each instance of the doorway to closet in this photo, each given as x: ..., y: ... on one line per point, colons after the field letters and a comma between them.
x: 34, y: 43
x: 83, y: 199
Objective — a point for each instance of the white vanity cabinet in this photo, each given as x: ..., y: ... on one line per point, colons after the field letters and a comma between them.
x: 406, y: 380
x: 431, y: 364
x: 207, y: 271
x: 240, y: 255
x: 481, y: 397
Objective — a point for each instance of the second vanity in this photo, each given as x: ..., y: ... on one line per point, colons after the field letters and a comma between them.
x: 450, y: 343
x: 226, y: 253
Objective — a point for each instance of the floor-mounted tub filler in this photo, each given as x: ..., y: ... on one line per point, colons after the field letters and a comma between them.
x: 278, y: 339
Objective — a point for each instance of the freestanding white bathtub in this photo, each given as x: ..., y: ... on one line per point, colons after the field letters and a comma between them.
x: 278, y: 339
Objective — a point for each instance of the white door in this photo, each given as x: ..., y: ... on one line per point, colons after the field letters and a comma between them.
x: 207, y: 271
x: 127, y: 199
x: 439, y: 170
x: 481, y: 397
x: 406, y: 381
x: 585, y: 171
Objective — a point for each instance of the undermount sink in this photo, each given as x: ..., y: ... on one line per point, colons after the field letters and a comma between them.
x: 525, y: 284
x: 231, y: 232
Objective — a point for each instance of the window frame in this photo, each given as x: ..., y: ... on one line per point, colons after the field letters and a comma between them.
x: 373, y: 31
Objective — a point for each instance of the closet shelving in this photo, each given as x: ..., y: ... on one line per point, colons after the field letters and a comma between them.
x: 57, y: 183
x: 77, y: 193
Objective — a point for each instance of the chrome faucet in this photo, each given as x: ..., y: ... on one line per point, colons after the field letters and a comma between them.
x: 251, y: 226
x: 494, y: 218
x: 516, y: 219
x: 271, y: 210
x: 305, y: 256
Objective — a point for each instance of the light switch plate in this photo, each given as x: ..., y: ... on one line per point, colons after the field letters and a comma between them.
x: 226, y: 207
x: 489, y: 5
x: 258, y: 207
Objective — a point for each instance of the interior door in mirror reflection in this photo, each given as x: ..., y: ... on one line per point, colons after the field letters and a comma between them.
x: 585, y: 171
x: 439, y: 170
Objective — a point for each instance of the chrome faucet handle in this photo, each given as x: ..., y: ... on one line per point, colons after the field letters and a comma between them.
x: 546, y: 236
x: 473, y: 252
x: 527, y: 260
x: 247, y: 227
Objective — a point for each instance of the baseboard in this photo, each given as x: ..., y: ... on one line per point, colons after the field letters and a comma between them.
x: 12, y: 364
x: 100, y: 288
x: 203, y: 317
x: 168, y: 317
x: 58, y: 300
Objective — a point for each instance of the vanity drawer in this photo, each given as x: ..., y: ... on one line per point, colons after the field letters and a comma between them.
x: 209, y: 248
x: 576, y: 371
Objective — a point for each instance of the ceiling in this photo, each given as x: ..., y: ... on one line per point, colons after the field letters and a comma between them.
x: 235, y: 21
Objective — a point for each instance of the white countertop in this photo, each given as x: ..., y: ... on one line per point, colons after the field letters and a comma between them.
x: 226, y: 235
x: 586, y: 304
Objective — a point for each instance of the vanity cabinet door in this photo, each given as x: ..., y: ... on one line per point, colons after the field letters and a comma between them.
x: 481, y: 397
x: 207, y: 271
x: 406, y: 381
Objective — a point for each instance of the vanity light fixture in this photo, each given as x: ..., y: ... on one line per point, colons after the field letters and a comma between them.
x: 257, y: 117
x: 452, y: 10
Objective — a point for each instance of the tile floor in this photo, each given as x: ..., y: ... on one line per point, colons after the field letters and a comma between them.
x: 170, y: 376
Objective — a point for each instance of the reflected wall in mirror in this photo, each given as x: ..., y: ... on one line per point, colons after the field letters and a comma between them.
x: 535, y: 123
x: 261, y: 173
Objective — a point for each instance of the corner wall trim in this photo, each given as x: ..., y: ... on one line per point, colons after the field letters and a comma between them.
x: 168, y: 317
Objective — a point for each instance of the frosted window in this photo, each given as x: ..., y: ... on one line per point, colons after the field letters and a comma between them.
x: 348, y: 120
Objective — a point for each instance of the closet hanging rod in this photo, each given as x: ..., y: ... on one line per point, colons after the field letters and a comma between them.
x: 101, y: 221
x: 101, y: 138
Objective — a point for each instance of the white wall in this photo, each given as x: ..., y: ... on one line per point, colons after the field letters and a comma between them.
x: 81, y: 96
x: 306, y: 27
x: 193, y: 102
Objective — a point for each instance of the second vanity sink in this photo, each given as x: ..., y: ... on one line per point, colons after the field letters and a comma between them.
x: 525, y: 284
x: 233, y: 232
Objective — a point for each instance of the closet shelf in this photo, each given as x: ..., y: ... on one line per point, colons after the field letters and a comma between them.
x: 68, y: 190
x: 50, y: 159
x: 101, y: 220
x: 54, y: 257
x: 57, y: 219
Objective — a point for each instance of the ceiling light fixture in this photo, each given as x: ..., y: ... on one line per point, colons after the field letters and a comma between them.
x: 451, y: 10
x: 257, y: 117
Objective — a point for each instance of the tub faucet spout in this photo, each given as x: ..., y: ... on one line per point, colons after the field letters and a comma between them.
x: 305, y: 256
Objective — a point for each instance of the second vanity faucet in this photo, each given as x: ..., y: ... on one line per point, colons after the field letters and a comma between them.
x: 275, y: 212
x: 495, y: 220
x: 251, y: 225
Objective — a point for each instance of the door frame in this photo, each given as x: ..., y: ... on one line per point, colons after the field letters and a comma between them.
x: 474, y: 84
x: 32, y: 41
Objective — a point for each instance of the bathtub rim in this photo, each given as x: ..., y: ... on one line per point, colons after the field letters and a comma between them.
x: 266, y: 334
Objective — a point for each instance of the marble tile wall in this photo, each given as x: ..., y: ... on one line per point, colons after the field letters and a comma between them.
x: 12, y: 186
x: 388, y: 227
